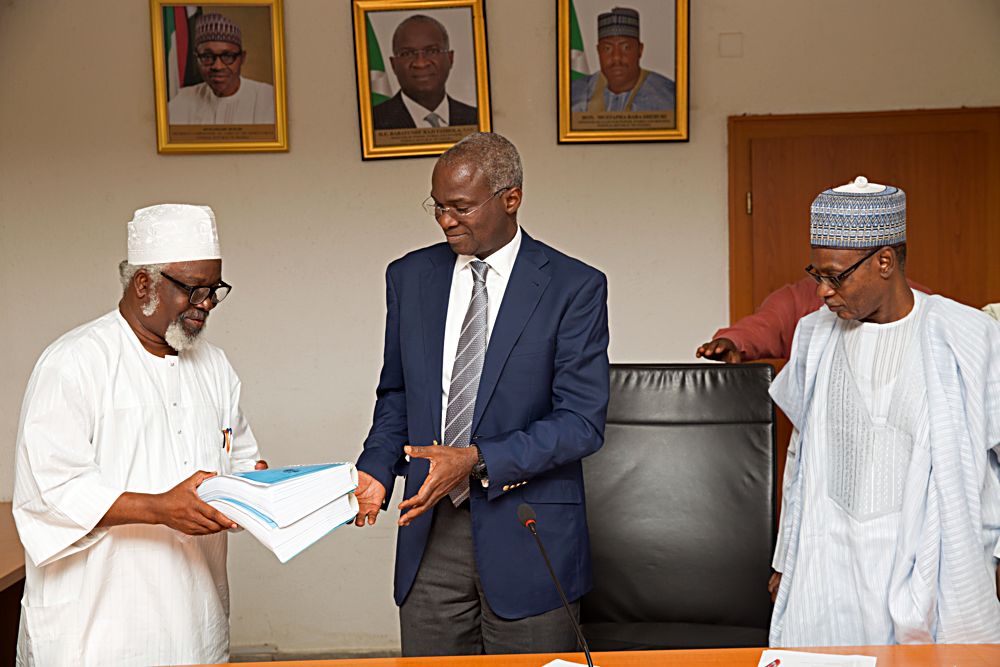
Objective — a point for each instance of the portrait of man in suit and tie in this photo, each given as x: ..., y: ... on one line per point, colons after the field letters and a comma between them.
x: 494, y: 387
x: 427, y: 82
x: 422, y: 59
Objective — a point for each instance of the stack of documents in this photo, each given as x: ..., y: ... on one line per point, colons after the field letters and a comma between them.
x: 287, y: 509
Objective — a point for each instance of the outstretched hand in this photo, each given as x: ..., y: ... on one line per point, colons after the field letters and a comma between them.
x: 449, y: 466
x: 180, y: 508
x: 720, y: 349
x: 370, y: 495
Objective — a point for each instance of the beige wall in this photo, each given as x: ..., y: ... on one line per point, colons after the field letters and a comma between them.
x: 307, y: 234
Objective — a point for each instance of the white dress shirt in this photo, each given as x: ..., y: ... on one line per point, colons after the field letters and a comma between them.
x: 419, y: 114
x: 101, y: 416
x: 501, y: 264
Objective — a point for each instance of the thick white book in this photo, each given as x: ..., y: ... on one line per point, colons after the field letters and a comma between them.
x: 287, y: 542
x: 286, y: 494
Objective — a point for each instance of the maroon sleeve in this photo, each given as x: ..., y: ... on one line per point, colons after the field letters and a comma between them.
x: 767, y: 334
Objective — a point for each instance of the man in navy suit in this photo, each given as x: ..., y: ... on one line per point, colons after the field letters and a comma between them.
x: 496, y: 347
x: 421, y: 59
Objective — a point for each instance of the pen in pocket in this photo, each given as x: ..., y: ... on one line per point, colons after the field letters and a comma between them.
x: 227, y: 439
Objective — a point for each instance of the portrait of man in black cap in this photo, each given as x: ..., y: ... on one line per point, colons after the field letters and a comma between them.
x: 224, y: 96
x: 621, y: 84
x: 422, y: 59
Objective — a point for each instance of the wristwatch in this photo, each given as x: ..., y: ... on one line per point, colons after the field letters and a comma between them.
x: 479, y: 467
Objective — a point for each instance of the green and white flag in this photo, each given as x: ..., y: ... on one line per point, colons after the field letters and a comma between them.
x: 578, y: 67
x: 378, y: 80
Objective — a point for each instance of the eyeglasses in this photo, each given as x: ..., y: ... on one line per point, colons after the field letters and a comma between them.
x: 837, y: 281
x: 458, y: 212
x: 197, y: 293
x: 411, y: 54
x: 207, y: 58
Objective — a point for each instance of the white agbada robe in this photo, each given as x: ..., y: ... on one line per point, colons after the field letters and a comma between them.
x: 252, y: 104
x: 890, y: 525
x: 101, y: 416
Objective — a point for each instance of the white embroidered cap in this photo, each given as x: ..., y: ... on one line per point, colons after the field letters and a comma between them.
x: 167, y: 233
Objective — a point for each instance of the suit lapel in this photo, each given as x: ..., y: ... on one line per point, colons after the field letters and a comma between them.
x: 525, y: 287
x: 435, y: 289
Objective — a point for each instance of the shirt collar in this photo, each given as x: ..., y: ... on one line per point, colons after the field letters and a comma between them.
x: 419, y: 112
x: 501, y: 262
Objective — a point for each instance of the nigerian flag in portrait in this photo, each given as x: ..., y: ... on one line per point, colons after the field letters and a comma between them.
x: 378, y: 80
x: 578, y: 67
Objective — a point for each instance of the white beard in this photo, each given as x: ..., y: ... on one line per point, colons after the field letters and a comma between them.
x: 179, y: 339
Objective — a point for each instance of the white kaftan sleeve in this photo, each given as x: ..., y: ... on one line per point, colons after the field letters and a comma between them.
x: 784, y: 520
x: 59, y: 492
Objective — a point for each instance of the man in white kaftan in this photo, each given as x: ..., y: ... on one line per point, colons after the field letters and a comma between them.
x: 224, y: 97
x: 890, y: 525
x: 125, y: 566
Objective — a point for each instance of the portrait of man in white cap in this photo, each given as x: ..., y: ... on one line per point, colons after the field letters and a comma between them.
x: 621, y: 84
x: 890, y: 520
x: 225, y: 96
x: 122, y: 419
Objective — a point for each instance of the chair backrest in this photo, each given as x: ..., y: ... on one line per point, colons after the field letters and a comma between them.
x: 681, y: 497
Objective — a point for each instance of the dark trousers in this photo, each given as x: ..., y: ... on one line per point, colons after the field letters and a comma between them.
x: 446, y: 612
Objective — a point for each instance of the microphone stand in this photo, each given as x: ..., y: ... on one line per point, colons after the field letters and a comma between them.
x: 530, y: 525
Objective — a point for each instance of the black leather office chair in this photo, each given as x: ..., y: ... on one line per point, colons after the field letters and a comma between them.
x: 681, y: 509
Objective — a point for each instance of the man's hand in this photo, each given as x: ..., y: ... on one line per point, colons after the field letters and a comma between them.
x: 260, y: 465
x: 449, y: 466
x: 370, y: 494
x: 180, y: 508
x: 772, y: 586
x: 720, y: 349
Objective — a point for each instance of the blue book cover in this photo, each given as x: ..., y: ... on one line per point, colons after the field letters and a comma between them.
x: 257, y: 513
x: 278, y: 475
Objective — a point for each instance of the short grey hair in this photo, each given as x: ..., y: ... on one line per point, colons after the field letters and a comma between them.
x: 127, y: 271
x: 418, y: 18
x: 493, y: 154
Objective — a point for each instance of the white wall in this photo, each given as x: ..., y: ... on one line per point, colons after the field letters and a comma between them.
x: 307, y: 234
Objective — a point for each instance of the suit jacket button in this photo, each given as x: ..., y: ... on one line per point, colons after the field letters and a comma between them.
x: 506, y: 487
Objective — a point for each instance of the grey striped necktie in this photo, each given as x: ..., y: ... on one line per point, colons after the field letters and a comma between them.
x: 465, y: 374
x: 434, y: 119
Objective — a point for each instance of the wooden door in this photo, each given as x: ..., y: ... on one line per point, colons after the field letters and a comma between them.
x: 947, y: 162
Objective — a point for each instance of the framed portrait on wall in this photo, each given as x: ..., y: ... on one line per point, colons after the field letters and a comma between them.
x: 622, y: 70
x: 219, y: 76
x: 423, y: 75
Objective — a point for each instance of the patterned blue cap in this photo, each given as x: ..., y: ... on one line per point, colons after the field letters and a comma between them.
x: 619, y: 22
x: 858, y: 215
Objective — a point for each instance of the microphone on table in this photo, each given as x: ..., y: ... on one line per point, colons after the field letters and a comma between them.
x: 526, y: 516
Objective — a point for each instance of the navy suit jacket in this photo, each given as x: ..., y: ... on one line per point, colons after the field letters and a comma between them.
x: 393, y: 114
x: 540, y: 408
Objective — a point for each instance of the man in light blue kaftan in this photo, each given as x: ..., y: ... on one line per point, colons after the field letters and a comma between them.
x: 891, y: 510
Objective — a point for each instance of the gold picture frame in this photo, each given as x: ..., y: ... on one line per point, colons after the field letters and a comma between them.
x: 440, y: 67
x: 197, y: 110
x: 590, y: 66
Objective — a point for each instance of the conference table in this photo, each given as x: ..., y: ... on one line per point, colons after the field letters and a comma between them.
x: 933, y: 655
x: 939, y: 655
